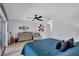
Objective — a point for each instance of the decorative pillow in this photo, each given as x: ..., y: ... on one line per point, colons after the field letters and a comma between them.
x: 67, y: 44
x: 36, y: 36
x: 58, y: 46
x: 71, y: 41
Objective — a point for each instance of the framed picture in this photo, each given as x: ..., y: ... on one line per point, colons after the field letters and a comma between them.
x: 41, y: 28
x: 23, y: 27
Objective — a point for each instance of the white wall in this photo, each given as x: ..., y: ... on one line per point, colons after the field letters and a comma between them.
x: 65, y: 16
x: 33, y: 27
x: 64, y: 28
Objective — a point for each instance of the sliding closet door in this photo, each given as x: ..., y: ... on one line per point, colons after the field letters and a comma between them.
x: 2, y: 35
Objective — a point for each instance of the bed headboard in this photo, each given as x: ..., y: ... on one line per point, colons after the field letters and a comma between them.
x: 26, y: 36
x: 23, y: 36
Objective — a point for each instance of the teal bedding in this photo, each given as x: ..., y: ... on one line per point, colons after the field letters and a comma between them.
x: 47, y: 47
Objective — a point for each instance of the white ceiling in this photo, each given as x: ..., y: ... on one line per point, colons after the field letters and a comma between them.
x: 57, y: 12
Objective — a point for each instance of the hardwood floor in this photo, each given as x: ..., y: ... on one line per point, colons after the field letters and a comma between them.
x: 14, y: 49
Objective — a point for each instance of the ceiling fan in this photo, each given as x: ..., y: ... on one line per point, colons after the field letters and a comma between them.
x: 36, y: 17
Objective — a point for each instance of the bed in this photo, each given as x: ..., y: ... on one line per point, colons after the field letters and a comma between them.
x: 47, y: 47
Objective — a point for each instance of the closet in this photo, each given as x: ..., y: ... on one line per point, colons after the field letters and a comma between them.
x: 2, y: 35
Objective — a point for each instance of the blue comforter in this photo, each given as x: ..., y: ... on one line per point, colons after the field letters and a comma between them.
x: 47, y: 47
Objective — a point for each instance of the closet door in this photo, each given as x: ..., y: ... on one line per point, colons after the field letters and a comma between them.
x: 2, y: 35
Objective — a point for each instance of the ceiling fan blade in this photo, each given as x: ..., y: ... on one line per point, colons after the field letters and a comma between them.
x: 30, y: 17
x: 39, y: 19
x: 33, y: 19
